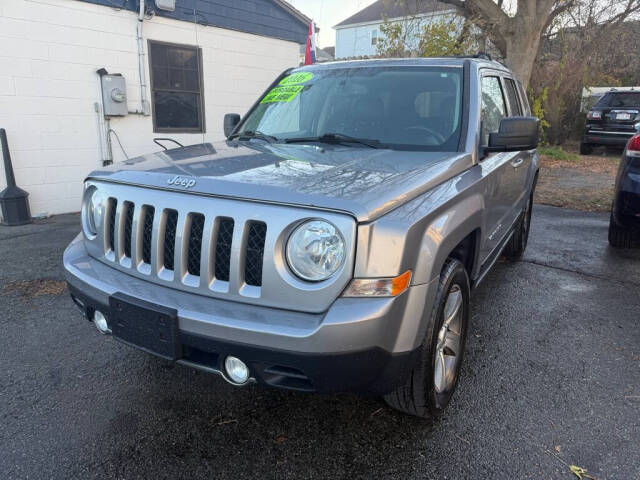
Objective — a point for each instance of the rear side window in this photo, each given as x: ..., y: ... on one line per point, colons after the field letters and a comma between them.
x: 493, y: 107
x: 526, y: 110
x: 512, y: 95
x: 620, y: 99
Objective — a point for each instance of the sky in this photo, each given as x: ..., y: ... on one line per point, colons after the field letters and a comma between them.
x: 328, y: 13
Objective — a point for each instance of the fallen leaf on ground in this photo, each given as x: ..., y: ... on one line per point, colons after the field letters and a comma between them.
x: 580, y: 472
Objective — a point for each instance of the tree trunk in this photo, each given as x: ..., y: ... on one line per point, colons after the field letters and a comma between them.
x: 522, y: 42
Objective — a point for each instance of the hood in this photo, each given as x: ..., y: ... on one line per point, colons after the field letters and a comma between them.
x: 363, y: 182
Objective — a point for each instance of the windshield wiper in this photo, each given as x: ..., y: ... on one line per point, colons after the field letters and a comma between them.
x: 254, y: 134
x: 336, y: 138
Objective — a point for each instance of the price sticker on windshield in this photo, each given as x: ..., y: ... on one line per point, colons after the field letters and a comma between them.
x: 297, y: 78
x: 282, y: 94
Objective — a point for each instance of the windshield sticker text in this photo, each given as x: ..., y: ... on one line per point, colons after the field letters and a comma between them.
x: 296, y: 78
x: 282, y: 94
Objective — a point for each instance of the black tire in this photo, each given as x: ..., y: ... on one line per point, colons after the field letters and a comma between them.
x: 586, y: 148
x: 419, y: 396
x: 518, y: 244
x: 620, y: 237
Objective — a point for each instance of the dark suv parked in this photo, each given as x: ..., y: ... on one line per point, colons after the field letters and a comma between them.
x: 624, y: 227
x: 612, y: 121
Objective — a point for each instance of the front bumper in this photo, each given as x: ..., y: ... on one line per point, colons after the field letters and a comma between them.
x: 363, y: 345
x: 611, y: 138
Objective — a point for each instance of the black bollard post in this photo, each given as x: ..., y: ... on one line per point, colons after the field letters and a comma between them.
x: 14, y: 201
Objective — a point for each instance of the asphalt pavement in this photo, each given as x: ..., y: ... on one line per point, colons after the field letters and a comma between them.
x: 551, y: 379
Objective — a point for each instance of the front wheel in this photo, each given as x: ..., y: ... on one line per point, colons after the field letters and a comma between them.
x: 433, y: 380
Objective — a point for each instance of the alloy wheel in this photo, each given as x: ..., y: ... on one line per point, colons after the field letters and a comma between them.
x: 448, y: 348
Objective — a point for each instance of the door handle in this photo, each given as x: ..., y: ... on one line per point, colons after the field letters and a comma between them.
x: 517, y: 162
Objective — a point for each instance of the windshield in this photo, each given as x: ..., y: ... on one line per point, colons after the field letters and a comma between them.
x: 413, y: 108
x: 620, y: 100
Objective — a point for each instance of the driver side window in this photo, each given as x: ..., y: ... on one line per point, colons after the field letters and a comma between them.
x: 493, y: 107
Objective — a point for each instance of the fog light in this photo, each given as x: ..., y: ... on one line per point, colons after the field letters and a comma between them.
x: 236, y: 370
x: 100, y: 321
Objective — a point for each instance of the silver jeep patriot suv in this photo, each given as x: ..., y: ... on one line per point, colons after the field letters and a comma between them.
x: 331, y: 243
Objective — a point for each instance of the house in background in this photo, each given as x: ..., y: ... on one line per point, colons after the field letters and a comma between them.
x: 170, y: 69
x: 359, y: 34
x: 322, y: 55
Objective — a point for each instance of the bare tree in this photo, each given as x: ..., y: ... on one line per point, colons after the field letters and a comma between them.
x: 587, y: 47
x: 517, y: 29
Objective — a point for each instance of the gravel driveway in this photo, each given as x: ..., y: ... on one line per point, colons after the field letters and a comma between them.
x: 551, y: 379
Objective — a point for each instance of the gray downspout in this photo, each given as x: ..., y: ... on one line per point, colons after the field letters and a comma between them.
x: 144, y: 103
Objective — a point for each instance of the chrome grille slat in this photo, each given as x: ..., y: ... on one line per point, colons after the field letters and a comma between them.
x: 208, y: 245
x: 180, y: 248
x: 157, y: 242
x: 136, y: 235
x: 118, y: 231
x: 235, y: 267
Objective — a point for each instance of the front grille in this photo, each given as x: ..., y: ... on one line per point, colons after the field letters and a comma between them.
x: 128, y: 227
x: 241, y: 250
x: 255, y: 253
x: 177, y: 241
x: 170, y: 238
x: 195, y: 244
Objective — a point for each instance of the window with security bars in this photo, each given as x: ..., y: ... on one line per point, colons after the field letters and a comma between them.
x: 176, y: 87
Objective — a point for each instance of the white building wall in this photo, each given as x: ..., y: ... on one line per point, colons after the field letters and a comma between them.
x: 355, y: 40
x: 49, y: 53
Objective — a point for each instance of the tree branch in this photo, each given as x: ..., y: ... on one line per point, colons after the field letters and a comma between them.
x: 487, y: 9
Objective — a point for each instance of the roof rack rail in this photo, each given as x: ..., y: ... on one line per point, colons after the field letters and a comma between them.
x: 482, y: 55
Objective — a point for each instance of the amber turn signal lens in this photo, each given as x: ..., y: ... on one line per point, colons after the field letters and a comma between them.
x: 400, y: 283
x: 379, y: 287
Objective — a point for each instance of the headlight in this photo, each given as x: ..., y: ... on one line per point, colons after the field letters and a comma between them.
x: 92, y: 211
x: 315, y: 250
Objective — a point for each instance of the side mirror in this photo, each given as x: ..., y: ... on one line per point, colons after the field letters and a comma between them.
x: 231, y: 120
x: 515, y: 133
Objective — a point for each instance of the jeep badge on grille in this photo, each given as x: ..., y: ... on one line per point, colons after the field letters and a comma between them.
x: 178, y: 181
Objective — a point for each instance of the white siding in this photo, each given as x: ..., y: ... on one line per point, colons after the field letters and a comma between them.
x: 355, y: 40
x: 49, y: 53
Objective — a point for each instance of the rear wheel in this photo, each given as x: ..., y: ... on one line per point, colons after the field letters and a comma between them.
x: 586, y: 148
x: 620, y: 237
x: 433, y: 380
x: 518, y: 243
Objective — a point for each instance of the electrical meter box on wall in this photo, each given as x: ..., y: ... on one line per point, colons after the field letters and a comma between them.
x: 114, y: 95
x: 169, y: 5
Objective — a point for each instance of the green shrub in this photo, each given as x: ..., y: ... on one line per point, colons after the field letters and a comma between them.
x: 538, y: 110
x: 558, y: 153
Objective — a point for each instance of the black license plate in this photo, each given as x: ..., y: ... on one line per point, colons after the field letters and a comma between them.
x: 145, y: 325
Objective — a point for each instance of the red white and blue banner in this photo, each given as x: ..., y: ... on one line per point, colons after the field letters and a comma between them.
x: 310, y: 52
